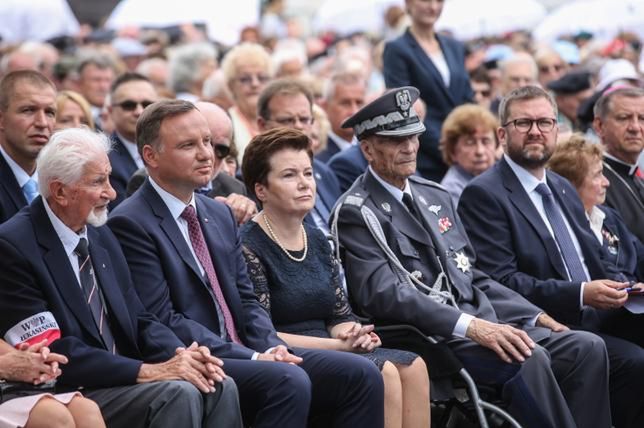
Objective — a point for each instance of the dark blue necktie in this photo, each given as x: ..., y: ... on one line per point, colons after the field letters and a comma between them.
x: 563, y: 238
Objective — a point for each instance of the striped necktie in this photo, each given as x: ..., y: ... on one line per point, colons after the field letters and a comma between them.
x: 93, y: 295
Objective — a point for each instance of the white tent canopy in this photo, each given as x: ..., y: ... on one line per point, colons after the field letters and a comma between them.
x: 223, y: 22
x: 36, y: 20
x: 470, y: 19
x: 602, y: 18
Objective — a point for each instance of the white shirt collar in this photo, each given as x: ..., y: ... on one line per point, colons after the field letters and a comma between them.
x: 174, y: 204
x: 67, y: 237
x: 527, y: 180
x: 341, y: 142
x: 596, y: 219
x: 396, y: 192
x: 21, y: 175
x: 632, y: 167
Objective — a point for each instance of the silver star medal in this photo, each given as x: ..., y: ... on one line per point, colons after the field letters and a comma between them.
x: 462, y: 262
x: 386, y: 207
x: 435, y: 208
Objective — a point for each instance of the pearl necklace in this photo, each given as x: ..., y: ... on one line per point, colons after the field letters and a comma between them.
x: 279, y: 243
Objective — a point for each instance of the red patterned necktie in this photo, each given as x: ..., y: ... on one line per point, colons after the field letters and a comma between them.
x: 202, y: 253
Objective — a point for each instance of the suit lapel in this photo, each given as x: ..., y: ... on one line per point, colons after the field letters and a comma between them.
x: 428, y: 64
x: 524, y: 205
x: 325, y: 194
x: 104, y: 271
x: 60, y: 268
x: 584, y: 235
x: 169, y: 227
x: 388, y: 206
x: 123, y: 154
x: 10, y: 184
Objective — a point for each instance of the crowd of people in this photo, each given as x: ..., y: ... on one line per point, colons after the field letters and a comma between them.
x: 202, y: 235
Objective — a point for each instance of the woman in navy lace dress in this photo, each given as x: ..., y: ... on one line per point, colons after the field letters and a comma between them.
x: 297, y: 279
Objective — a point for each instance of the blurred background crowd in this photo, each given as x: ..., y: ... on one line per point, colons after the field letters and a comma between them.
x: 576, y: 49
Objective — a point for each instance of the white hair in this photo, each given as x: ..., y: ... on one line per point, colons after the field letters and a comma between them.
x: 288, y: 50
x: 65, y: 156
x: 185, y: 63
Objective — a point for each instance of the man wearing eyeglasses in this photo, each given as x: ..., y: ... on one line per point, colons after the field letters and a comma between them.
x: 131, y: 93
x: 530, y: 232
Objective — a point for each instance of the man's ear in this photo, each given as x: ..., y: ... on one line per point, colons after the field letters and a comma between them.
x: 367, y: 150
x: 149, y: 156
x: 59, y: 193
x: 598, y: 126
x: 501, y: 134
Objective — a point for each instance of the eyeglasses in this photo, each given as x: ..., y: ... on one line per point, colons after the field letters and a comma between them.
x: 524, y: 125
x: 290, y: 122
x: 221, y: 150
x: 130, y: 105
x: 250, y: 78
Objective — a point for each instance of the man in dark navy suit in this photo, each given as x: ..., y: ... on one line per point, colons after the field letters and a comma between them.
x: 185, y: 255
x: 289, y: 103
x: 27, y: 116
x: 344, y: 95
x: 530, y: 233
x: 64, y: 279
x: 130, y: 94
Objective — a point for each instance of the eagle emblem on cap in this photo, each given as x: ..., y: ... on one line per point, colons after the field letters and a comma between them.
x: 403, y: 101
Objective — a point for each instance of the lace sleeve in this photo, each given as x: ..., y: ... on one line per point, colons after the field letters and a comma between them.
x: 257, y: 275
x: 342, y: 310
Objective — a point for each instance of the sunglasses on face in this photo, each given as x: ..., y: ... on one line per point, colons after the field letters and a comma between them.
x: 129, y: 105
x: 221, y: 150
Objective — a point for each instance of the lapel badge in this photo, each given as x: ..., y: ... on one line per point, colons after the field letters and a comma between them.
x: 318, y: 176
x: 444, y: 224
x: 423, y: 200
x: 386, y: 207
x: 205, y: 219
x: 611, y: 241
x: 462, y: 262
x: 435, y: 208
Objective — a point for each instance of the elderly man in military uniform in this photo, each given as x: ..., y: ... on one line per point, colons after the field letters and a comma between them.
x: 408, y: 260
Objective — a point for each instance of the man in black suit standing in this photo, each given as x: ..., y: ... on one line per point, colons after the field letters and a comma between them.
x: 530, y: 233
x: 64, y: 279
x: 27, y: 116
x: 130, y: 94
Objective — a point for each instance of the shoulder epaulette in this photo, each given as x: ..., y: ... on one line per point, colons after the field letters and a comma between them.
x: 421, y: 180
